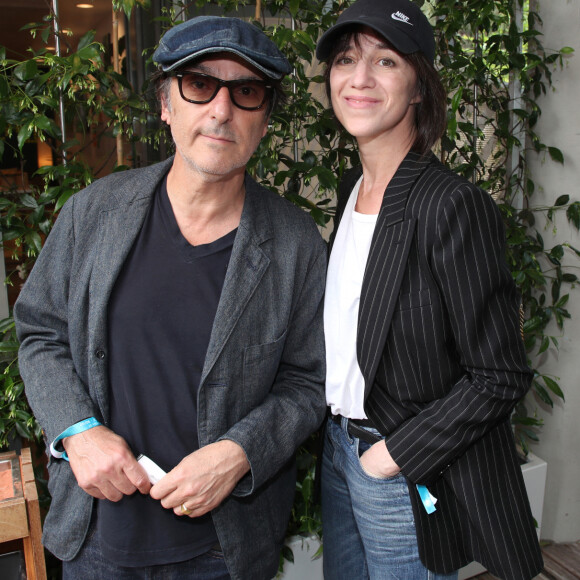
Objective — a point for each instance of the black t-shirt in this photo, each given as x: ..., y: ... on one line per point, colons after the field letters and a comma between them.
x: 160, y: 318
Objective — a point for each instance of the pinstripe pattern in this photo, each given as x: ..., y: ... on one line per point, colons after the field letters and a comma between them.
x: 440, y: 350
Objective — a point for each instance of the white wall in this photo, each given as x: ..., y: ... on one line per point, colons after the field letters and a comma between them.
x: 560, y: 126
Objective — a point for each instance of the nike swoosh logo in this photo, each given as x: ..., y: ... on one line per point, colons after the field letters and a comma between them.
x: 395, y: 16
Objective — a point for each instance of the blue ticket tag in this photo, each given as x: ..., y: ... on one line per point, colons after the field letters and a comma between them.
x: 428, y: 500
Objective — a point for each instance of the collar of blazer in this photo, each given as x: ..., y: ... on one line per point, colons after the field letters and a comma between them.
x: 386, y: 262
x: 396, y: 192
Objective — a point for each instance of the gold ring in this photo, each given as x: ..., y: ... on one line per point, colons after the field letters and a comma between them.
x: 185, y: 511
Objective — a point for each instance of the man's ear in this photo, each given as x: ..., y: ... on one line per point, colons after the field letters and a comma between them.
x: 165, y: 109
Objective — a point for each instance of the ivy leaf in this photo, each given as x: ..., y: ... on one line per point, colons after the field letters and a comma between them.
x: 456, y: 100
x: 556, y: 154
x: 543, y: 394
x: 28, y: 201
x: 531, y: 434
x: 573, y: 214
x: 294, y: 6
x: 34, y: 241
x: 24, y: 134
x: 45, y: 34
x: 26, y: 70
x: 86, y: 40
x: 9, y: 346
x: 562, y: 200
x: 533, y: 324
x: 554, y: 387
x: 545, y: 345
x: 63, y: 199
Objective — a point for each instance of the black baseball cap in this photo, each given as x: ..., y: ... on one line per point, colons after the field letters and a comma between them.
x: 401, y: 22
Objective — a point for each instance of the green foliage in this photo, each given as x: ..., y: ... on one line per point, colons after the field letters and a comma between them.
x: 15, y: 416
x: 98, y: 104
x: 495, y: 69
x: 302, y: 156
x: 306, y: 517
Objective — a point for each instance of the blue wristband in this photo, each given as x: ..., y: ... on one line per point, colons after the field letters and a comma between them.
x: 72, y: 430
x: 427, y: 499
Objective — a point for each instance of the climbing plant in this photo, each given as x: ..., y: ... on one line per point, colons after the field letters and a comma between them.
x: 496, y: 69
x: 98, y: 105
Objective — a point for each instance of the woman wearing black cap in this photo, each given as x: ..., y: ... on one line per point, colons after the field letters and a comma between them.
x: 424, y: 354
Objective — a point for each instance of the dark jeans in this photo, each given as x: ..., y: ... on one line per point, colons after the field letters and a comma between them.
x: 91, y: 565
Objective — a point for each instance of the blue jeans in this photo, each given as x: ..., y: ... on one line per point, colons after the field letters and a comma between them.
x: 367, y: 523
x: 91, y: 565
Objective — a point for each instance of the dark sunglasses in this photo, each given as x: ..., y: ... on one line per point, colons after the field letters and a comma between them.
x: 199, y: 88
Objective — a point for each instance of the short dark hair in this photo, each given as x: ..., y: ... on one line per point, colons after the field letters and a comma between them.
x: 161, y: 82
x: 430, y: 112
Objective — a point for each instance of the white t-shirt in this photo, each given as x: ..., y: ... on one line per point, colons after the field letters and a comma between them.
x: 344, y: 381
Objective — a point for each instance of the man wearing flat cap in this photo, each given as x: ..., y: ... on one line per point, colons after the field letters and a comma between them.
x: 175, y: 313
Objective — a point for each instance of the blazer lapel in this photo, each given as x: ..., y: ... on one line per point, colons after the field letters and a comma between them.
x: 385, y: 266
x: 119, y: 225
x: 247, y: 265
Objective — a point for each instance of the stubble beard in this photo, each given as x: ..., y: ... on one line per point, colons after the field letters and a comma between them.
x: 224, y: 164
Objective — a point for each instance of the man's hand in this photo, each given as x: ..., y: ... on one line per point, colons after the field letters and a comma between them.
x: 203, y: 479
x: 104, y: 465
x: 377, y: 461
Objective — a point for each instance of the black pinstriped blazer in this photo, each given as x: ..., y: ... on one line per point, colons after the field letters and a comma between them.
x: 440, y: 349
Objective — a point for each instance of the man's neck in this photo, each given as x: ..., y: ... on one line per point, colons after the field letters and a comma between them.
x: 205, y: 207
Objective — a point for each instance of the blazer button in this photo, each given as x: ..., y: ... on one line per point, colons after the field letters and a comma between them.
x: 100, y: 354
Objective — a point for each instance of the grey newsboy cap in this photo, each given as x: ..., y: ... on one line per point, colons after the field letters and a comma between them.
x: 210, y: 34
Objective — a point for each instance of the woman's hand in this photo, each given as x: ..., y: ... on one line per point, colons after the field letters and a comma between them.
x: 377, y: 462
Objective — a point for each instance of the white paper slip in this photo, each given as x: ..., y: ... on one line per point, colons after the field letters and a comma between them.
x: 154, y: 472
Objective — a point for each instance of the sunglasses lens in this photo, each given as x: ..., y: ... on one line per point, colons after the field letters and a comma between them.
x: 248, y: 94
x: 198, y: 88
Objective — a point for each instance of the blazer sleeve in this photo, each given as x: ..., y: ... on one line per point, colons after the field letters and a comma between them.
x: 56, y: 393
x: 468, y: 265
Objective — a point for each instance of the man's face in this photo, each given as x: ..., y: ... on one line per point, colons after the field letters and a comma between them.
x: 215, y: 139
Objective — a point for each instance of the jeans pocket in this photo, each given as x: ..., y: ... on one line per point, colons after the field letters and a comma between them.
x: 361, y: 447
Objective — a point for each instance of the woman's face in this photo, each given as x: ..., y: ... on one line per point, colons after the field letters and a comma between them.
x: 373, y: 90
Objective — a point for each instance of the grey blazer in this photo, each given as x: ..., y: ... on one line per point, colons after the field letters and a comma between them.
x: 263, y: 380
x: 439, y: 347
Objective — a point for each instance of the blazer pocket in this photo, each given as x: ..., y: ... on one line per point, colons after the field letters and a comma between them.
x: 414, y: 300
x: 261, y: 362
x: 254, y: 354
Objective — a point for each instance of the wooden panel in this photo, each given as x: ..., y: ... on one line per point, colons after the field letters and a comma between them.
x: 33, y: 550
x: 19, y: 511
x: 13, y: 519
x: 562, y: 560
